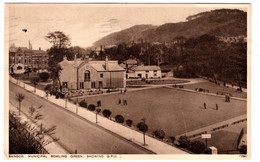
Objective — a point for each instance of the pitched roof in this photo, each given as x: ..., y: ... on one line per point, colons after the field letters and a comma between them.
x: 15, y: 49
x: 76, y: 63
x: 144, y: 68
x: 130, y: 62
x: 100, y: 66
x: 97, y: 65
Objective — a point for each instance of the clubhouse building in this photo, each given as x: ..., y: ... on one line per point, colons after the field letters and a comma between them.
x: 88, y: 74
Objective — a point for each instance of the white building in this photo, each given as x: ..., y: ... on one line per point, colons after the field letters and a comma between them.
x: 146, y: 71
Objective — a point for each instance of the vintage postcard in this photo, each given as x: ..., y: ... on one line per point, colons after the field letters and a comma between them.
x: 127, y: 81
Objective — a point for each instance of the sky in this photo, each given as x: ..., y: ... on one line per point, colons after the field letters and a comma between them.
x: 85, y: 23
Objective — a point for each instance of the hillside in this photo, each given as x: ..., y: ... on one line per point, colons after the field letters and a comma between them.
x: 125, y: 36
x: 223, y: 22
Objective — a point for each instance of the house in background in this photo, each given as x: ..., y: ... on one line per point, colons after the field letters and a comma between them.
x: 135, y: 69
x: 147, y: 72
x: 87, y: 74
x: 22, y: 59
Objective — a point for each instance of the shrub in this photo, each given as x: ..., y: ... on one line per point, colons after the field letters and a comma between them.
x: 129, y: 122
x: 57, y: 96
x: 62, y: 95
x: 91, y: 107
x: 107, y: 113
x: 83, y: 103
x: 197, y: 147
x: 243, y: 149
x: 44, y: 76
x: 184, y: 142
x: 159, y: 134
x: 142, y: 127
x: 172, y: 138
x: 48, y: 87
x: 119, y: 119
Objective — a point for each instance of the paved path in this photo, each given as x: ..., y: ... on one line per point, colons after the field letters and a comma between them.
x: 214, y: 127
x: 154, y: 145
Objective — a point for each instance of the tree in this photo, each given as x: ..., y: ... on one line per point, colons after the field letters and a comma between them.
x: 35, y: 81
x: 119, y: 119
x: 58, y: 39
x: 197, y: 147
x: 159, y: 134
x: 55, y: 75
x: 91, y: 107
x: 20, y: 97
x: 129, y: 122
x: 107, y: 113
x: 83, y: 103
x: 184, y: 142
x: 98, y: 110
x: 60, y: 43
x: 143, y: 128
x: 243, y: 149
x: 44, y: 76
x: 172, y: 138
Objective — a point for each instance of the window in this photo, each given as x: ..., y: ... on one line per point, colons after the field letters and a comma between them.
x: 19, y: 68
x: 81, y: 85
x: 25, y: 60
x: 100, y: 84
x: 87, y: 75
x: 93, y: 85
x: 155, y: 71
x: 29, y: 61
x: 65, y: 84
x: 147, y: 71
x: 101, y: 75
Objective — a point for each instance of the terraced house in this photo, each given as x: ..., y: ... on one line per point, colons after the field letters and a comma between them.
x: 22, y: 59
x: 87, y: 74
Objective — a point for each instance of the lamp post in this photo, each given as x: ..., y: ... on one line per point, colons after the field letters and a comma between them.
x: 66, y: 99
x: 77, y: 105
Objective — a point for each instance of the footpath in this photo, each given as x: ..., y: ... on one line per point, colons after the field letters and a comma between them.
x: 215, y: 127
x: 134, y: 136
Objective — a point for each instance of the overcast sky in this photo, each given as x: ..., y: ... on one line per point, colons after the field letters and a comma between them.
x: 85, y: 24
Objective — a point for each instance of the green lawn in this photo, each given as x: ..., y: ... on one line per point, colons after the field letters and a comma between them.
x: 169, y: 109
x: 229, y: 143
x: 213, y: 88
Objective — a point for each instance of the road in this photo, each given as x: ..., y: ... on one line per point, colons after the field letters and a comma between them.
x: 74, y: 132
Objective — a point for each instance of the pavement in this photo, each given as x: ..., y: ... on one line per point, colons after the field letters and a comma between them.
x: 74, y: 122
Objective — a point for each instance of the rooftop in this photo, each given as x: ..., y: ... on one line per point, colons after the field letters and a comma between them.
x: 97, y: 65
x: 145, y: 68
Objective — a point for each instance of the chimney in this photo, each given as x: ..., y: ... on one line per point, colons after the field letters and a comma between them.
x: 106, y: 63
x: 127, y: 68
x: 39, y: 48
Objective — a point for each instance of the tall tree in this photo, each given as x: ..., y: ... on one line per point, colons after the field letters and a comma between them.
x: 58, y: 39
x: 60, y: 43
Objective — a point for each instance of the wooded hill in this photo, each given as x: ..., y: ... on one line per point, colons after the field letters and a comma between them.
x: 223, y: 22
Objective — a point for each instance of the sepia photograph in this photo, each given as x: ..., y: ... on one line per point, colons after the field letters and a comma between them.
x: 127, y: 81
